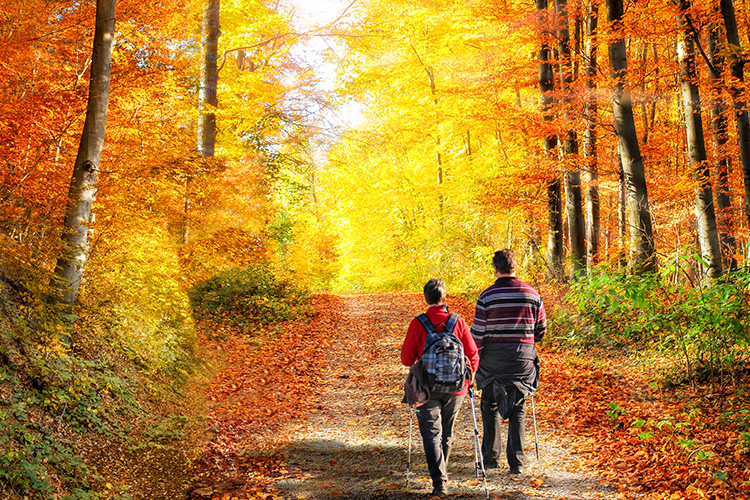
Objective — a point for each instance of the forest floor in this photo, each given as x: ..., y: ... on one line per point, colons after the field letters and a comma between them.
x: 315, y: 412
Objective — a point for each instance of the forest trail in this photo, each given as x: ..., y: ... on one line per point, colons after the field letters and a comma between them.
x: 350, y: 435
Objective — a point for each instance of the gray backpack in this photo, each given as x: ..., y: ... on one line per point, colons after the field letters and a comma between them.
x: 443, y: 357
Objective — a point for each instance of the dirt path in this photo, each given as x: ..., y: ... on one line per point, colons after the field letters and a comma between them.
x: 354, y: 442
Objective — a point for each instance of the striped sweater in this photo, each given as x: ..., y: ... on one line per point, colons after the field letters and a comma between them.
x: 510, y: 311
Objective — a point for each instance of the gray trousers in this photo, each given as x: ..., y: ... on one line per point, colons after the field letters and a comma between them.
x: 494, y: 409
x: 436, y: 418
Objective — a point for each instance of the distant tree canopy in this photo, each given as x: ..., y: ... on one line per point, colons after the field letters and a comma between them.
x: 600, y: 132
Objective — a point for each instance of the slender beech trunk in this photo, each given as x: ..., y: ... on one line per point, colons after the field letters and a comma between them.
x: 737, y: 68
x: 722, y: 162
x: 438, y: 142
x: 643, y: 53
x: 652, y: 103
x: 208, y: 98
x: 622, y: 216
x: 554, y: 193
x: 589, y: 137
x: 642, y: 251
x: 708, y: 234
x: 574, y: 204
x: 438, y: 156
x: 82, y: 192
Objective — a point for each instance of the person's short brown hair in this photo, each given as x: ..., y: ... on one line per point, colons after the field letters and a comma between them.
x: 504, y: 261
x: 435, y: 291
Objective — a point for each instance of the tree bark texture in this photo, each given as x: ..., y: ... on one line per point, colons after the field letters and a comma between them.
x: 642, y: 248
x: 589, y: 138
x: 737, y: 68
x: 555, y: 248
x: 722, y: 162
x: 208, y: 98
x: 574, y: 203
x: 705, y: 213
x: 576, y: 226
x: 622, y: 217
x: 82, y: 191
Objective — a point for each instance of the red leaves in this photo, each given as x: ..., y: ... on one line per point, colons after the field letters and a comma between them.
x: 636, y: 436
x: 267, y: 382
x: 641, y: 439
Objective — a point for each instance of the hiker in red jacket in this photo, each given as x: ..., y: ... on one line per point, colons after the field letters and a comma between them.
x: 437, y: 416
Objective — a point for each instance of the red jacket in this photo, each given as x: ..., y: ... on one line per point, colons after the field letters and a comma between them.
x: 411, y: 351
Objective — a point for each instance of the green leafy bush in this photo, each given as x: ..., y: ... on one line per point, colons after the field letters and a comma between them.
x: 30, y: 452
x: 704, y: 327
x: 250, y: 297
x: 51, y: 395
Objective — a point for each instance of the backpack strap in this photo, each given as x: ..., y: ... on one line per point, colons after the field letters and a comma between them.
x: 448, y: 325
x: 426, y: 323
x: 451, y: 323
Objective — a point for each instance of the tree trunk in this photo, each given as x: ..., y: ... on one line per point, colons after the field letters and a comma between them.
x: 576, y: 226
x: 643, y: 53
x: 722, y: 162
x: 438, y: 156
x: 574, y: 203
x: 208, y: 99
x: 705, y: 213
x: 622, y: 216
x: 82, y: 192
x: 555, y: 242
x: 642, y: 251
x: 737, y: 67
x: 438, y: 144
x: 554, y: 194
x: 589, y: 138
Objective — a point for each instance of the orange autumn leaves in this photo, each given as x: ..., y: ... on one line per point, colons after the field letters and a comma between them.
x: 642, y: 437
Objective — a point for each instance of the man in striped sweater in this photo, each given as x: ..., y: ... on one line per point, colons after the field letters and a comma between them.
x: 509, y: 319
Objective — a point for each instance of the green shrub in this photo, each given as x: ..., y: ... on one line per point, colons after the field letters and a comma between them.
x: 704, y: 327
x: 249, y: 297
x: 30, y: 452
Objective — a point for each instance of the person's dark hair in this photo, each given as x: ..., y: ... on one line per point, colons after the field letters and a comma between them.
x: 435, y: 291
x: 504, y: 261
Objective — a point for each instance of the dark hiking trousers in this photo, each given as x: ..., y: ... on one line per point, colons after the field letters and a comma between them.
x: 500, y: 402
x: 436, y: 418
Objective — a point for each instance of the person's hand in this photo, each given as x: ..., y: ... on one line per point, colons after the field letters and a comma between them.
x: 471, y: 371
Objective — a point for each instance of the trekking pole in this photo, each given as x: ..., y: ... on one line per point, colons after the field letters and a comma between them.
x: 536, y: 439
x: 478, y: 459
x: 408, y: 460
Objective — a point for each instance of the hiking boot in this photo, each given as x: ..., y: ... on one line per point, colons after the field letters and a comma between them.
x: 517, y: 471
x: 440, y: 491
x: 490, y: 465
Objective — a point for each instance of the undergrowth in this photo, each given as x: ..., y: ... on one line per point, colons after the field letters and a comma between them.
x: 250, y: 297
x: 703, y: 329
x: 115, y: 391
x: 49, y: 397
x: 54, y: 396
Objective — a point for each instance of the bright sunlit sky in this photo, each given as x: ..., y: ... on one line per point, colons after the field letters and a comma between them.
x: 315, y: 16
x: 319, y: 12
